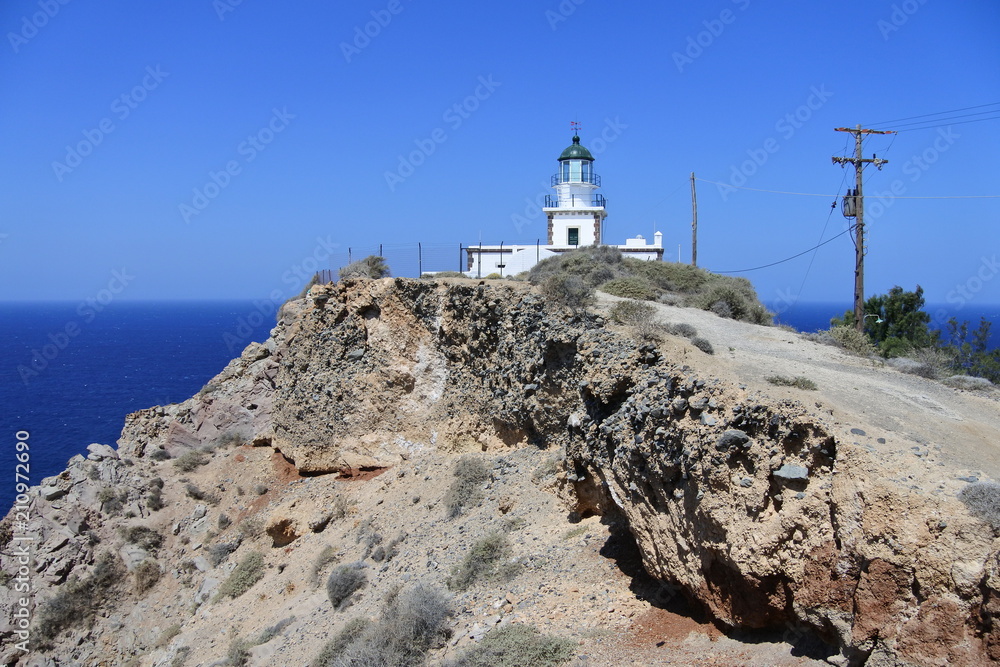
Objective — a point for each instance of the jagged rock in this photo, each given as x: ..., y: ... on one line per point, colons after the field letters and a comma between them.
x: 445, y: 367
x: 99, y: 452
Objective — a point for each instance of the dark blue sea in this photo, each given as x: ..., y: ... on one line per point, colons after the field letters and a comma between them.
x: 812, y: 317
x: 69, y: 373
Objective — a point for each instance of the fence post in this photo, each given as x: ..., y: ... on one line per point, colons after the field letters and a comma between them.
x: 460, y: 257
x: 420, y: 260
x: 348, y: 255
x: 380, y: 250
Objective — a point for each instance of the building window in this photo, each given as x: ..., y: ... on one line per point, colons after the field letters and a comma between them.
x: 573, y: 236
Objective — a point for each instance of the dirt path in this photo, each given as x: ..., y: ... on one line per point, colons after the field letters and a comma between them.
x: 956, y: 432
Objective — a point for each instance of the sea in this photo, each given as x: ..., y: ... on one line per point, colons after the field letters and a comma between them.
x: 71, y: 372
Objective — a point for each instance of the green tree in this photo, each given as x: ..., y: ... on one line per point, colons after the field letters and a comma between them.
x: 895, y: 322
x: 972, y: 355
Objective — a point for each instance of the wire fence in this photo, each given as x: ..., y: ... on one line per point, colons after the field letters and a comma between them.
x: 408, y: 260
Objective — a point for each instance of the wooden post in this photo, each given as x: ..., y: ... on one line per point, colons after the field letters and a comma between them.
x: 694, y: 225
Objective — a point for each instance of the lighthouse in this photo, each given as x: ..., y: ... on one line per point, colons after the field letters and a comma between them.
x: 576, y: 212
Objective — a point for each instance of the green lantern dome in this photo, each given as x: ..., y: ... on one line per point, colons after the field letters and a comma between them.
x: 576, y: 152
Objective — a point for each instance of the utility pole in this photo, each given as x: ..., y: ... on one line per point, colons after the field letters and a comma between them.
x: 856, y: 209
x: 694, y: 226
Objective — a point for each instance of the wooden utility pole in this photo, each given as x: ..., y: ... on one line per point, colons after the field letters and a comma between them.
x: 859, y: 213
x: 694, y: 225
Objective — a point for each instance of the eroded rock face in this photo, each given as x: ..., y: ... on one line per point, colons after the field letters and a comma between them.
x: 751, y: 508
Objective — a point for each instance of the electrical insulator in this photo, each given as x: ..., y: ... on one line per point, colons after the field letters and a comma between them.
x: 849, y: 204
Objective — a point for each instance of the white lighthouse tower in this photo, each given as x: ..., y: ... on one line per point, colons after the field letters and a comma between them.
x: 576, y: 212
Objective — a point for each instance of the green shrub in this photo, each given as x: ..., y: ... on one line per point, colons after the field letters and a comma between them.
x: 682, y: 329
x: 799, y: 381
x: 249, y: 571
x: 180, y: 658
x: 734, y: 298
x: 411, y: 624
x: 78, y: 601
x: 142, y: 536
x: 371, y: 266
x: 567, y: 290
x: 629, y: 288
x: 343, y: 583
x: 238, y: 653
x: 159, y: 455
x: 487, y: 560
x: 190, y: 460
x: 167, y: 635
x: 968, y: 382
x: 702, y: 344
x: 467, y: 488
x: 197, y: 494
x: 983, y: 501
x: 326, y: 556
x: 330, y: 655
x: 853, y: 341
x: 516, y: 645
x: 145, y: 576
x: 631, y: 312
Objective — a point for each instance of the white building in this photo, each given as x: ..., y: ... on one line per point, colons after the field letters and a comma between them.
x: 576, y: 214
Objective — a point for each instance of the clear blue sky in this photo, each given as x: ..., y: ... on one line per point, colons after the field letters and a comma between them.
x: 309, y: 115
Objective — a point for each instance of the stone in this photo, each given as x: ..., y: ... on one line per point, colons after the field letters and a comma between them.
x: 51, y: 492
x: 99, y: 452
x: 355, y: 354
x: 789, y: 472
x: 730, y: 439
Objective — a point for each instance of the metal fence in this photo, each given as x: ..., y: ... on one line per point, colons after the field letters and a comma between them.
x: 407, y: 260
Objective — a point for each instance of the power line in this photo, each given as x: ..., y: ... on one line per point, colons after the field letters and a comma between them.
x: 814, y: 194
x: 950, y: 118
x: 937, y: 113
x: 931, y: 127
x: 788, y: 259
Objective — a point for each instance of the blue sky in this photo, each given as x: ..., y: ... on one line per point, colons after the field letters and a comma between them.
x: 207, y: 150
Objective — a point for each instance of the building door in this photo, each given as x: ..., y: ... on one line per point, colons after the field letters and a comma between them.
x: 573, y: 234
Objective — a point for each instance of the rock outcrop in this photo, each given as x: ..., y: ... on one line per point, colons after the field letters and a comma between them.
x: 751, y: 508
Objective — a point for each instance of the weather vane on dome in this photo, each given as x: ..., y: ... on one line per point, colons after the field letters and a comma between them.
x: 576, y: 126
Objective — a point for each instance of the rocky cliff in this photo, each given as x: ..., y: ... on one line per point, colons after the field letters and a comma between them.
x: 752, y: 506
